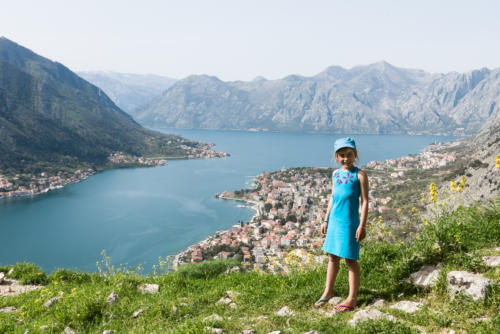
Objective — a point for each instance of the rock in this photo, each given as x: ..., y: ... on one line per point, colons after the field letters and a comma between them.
x: 113, y: 297
x: 378, y: 303
x: 473, y: 285
x: 285, y: 312
x: 224, y: 301
x: 149, y: 288
x: 426, y: 277
x: 8, y: 309
x: 233, y: 306
x: 261, y: 317
x: 2, y: 278
x: 234, y: 269
x: 335, y: 300
x: 369, y: 314
x: 51, y: 302
x: 249, y: 331
x: 312, y: 332
x: 69, y: 330
x: 325, y: 313
x: 137, y: 313
x: 213, y: 317
x: 174, y: 309
x: 11, y: 271
x: 274, y: 332
x: 407, y: 306
x: 44, y: 327
x: 215, y: 330
x: 232, y: 294
x: 108, y: 331
x: 491, y: 261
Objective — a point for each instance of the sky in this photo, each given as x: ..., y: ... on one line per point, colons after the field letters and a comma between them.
x: 240, y: 40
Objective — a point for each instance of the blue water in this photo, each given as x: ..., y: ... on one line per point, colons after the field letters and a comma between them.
x: 139, y: 214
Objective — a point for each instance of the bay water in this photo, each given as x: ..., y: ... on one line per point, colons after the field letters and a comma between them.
x: 139, y: 214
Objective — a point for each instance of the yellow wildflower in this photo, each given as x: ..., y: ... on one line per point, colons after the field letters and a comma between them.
x: 463, y: 181
x: 453, y: 185
x: 433, y: 192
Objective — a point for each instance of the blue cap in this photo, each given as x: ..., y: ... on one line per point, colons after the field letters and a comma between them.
x: 344, y: 142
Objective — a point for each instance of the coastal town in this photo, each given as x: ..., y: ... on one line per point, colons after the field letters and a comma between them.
x: 290, y: 206
x: 21, y: 185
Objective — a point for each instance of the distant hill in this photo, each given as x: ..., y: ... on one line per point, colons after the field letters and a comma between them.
x: 128, y: 91
x: 377, y: 98
x: 49, y: 114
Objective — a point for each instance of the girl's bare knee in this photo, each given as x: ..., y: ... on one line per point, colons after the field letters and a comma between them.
x: 351, y: 262
x: 333, y: 258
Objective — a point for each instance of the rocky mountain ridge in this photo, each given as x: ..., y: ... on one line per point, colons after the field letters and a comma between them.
x: 378, y: 98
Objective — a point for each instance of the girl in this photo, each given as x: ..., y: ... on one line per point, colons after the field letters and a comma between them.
x: 343, y: 226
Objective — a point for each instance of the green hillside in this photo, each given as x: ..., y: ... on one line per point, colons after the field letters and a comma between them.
x: 50, y: 115
x: 187, y: 300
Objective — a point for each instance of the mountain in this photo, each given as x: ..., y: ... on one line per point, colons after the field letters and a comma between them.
x: 376, y: 98
x: 128, y: 91
x: 49, y: 114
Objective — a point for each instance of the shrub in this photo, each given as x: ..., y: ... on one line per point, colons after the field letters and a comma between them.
x: 206, y: 270
x: 65, y: 275
x: 29, y: 273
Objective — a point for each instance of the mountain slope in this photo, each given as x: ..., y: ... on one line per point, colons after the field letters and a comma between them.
x: 377, y: 98
x: 128, y: 91
x: 48, y: 113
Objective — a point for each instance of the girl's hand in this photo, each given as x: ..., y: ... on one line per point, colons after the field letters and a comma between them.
x: 323, y: 229
x: 360, y: 233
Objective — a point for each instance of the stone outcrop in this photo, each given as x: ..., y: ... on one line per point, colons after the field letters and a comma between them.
x: 426, y: 277
x: 491, y: 261
x: 51, y: 301
x: 473, y: 285
x: 113, y: 297
x: 285, y: 312
x: 149, y: 288
x: 369, y: 314
x: 407, y: 306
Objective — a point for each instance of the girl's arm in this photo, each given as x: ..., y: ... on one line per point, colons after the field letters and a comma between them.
x: 363, y: 181
x: 325, y: 219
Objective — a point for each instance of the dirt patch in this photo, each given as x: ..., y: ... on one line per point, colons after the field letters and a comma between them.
x: 11, y: 287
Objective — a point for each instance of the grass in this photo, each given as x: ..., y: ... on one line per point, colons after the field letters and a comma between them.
x: 458, y: 240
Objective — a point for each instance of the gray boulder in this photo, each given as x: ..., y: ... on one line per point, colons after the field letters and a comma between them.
x: 51, y: 301
x: 149, y: 288
x: 473, y: 285
x: 137, y: 313
x: 113, y: 297
x: 8, y: 309
x: 285, y: 312
x: 491, y: 261
x: 407, y: 306
x: 369, y: 314
x: 427, y: 276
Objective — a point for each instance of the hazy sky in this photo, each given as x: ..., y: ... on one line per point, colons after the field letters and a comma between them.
x: 239, y: 40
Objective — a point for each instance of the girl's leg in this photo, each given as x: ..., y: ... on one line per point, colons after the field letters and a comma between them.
x: 354, y: 278
x: 331, y: 275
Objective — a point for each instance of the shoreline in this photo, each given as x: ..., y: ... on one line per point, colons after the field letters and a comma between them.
x: 116, y: 158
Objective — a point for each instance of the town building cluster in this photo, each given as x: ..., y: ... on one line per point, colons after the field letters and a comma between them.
x: 290, y: 205
x: 41, y: 183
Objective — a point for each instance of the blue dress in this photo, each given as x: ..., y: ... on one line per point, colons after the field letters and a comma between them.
x: 343, y: 221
